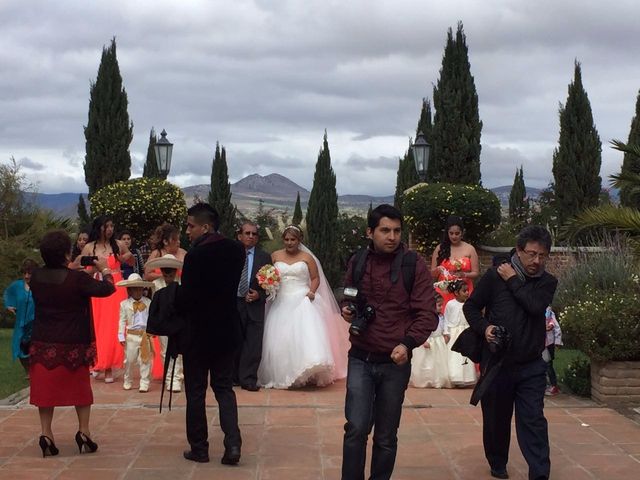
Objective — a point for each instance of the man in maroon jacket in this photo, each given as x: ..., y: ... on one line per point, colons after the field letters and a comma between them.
x: 379, y: 366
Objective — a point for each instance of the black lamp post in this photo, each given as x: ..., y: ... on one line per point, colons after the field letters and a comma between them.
x: 421, y: 150
x: 163, y: 150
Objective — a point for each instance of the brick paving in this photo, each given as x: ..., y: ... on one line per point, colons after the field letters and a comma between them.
x: 298, y: 435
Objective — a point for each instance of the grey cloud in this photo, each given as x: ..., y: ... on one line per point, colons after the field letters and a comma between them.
x: 30, y: 164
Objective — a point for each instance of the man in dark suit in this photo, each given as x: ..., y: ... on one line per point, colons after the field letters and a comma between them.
x: 207, y: 296
x: 251, y: 300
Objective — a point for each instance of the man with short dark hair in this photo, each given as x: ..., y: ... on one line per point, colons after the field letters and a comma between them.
x: 514, y: 295
x: 251, y: 302
x: 210, y: 277
x: 379, y: 358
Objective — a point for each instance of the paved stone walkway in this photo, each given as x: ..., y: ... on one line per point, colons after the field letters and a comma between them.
x: 298, y: 435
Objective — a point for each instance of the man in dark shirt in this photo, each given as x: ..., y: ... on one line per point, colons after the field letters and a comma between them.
x: 515, y: 295
x: 207, y: 298
x: 379, y: 366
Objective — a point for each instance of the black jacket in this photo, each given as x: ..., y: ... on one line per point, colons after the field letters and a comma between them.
x: 208, y: 295
x: 515, y: 304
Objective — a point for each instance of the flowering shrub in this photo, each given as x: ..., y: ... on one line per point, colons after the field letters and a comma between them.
x: 427, y: 206
x: 577, y: 377
x: 604, y: 325
x: 140, y: 205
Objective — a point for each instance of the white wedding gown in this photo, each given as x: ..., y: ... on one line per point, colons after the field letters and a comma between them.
x: 296, y: 347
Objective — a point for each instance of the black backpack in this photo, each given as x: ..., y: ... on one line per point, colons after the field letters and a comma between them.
x: 403, y: 261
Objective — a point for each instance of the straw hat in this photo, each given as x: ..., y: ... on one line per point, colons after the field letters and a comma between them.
x: 165, y: 261
x: 134, y: 280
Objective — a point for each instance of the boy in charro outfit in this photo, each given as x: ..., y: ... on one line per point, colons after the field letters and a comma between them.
x: 132, y: 334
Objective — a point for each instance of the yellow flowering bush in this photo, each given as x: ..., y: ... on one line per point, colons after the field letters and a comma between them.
x: 427, y: 206
x: 140, y: 205
x: 604, y: 325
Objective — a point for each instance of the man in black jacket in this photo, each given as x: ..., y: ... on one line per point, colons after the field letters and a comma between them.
x: 251, y: 300
x: 515, y: 295
x: 207, y: 296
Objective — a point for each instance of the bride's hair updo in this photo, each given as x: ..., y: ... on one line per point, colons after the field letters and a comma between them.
x: 293, y: 230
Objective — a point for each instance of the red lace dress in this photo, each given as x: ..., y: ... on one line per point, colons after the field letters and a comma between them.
x: 63, y: 341
x: 452, y: 266
x: 106, y: 314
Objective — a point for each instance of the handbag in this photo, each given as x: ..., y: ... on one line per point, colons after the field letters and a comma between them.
x: 469, y: 344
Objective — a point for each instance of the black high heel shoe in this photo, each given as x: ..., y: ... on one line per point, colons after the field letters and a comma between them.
x: 47, y: 446
x: 85, y: 443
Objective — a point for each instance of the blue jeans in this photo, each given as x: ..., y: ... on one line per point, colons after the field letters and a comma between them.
x: 375, y: 392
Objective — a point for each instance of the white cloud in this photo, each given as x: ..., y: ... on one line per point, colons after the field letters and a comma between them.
x: 265, y: 78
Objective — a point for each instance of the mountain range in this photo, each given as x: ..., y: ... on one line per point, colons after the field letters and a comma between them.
x: 276, y: 191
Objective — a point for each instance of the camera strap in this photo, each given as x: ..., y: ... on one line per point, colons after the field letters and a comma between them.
x: 403, y: 261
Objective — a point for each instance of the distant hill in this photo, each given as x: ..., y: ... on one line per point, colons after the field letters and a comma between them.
x: 503, y: 193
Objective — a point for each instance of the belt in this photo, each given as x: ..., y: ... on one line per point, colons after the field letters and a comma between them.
x: 146, y: 347
x: 370, y: 357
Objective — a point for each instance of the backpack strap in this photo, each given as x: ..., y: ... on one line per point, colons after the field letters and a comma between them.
x: 358, y: 266
x: 409, y: 260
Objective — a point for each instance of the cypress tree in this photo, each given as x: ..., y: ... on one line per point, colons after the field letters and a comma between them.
x: 577, y: 159
x: 631, y: 163
x: 518, y: 203
x: 455, y: 137
x: 151, y: 165
x: 109, y: 132
x: 297, y: 212
x: 83, y: 215
x: 322, y: 214
x: 370, y: 210
x: 220, y: 193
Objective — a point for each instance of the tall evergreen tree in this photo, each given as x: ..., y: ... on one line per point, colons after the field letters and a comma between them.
x: 151, y: 164
x: 109, y: 132
x: 220, y: 193
x: 84, y: 218
x: 297, y: 212
x: 631, y: 163
x: 322, y: 214
x: 518, y: 203
x: 455, y: 137
x: 576, y: 161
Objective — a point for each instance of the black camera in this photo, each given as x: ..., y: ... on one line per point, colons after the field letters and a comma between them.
x: 362, y: 312
x: 501, y: 340
x: 87, y: 260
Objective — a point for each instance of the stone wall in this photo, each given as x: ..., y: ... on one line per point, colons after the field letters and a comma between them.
x: 614, y: 383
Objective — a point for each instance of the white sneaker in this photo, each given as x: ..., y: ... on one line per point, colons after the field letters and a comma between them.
x: 127, y: 386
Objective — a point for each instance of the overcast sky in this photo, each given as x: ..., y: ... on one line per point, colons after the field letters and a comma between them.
x: 266, y: 77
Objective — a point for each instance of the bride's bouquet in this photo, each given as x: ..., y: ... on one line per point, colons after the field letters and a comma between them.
x: 269, y: 280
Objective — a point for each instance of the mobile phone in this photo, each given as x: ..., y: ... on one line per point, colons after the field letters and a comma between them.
x: 87, y: 260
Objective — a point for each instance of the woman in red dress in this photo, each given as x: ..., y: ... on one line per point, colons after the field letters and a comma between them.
x: 103, y: 244
x: 63, y: 343
x: 165, y: 239
x: 454, y: 259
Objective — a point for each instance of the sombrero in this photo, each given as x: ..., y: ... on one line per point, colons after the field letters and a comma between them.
x: 165, y: 261
x: 134, y: 280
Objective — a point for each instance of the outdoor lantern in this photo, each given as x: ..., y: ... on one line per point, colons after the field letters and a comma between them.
x: 421, y: 150
x: 163, y: 149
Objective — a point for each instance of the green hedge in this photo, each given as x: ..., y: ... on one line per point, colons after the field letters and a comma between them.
x: 140, y: 205
x: 605, y: 326
x: 427, y: 206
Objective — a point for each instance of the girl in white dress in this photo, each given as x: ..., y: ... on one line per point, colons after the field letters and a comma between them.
x: 430, y: 361
x: 305, y: 340
x: 462, y: 371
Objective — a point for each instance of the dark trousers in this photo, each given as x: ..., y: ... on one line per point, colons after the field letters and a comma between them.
x: 250, y: 353
x: 551, y: 373
x: 521, y: 386
x: 196, y: 376
x: 375, y: 392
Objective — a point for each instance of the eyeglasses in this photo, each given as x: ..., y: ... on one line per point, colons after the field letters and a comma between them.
x: 531, y: 255
x: 250, y: 234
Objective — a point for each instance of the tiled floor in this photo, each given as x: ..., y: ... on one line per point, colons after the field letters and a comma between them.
x: 298, y: 435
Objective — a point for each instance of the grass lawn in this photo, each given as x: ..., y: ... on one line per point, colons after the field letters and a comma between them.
x: 11, y: 373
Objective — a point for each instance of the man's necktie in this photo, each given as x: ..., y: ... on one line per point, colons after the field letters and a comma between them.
x: 243, y: 285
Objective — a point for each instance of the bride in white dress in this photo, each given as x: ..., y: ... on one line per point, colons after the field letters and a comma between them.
x: 305, y: 340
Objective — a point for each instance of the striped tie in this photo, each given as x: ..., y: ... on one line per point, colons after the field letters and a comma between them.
x: 243, y: 286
